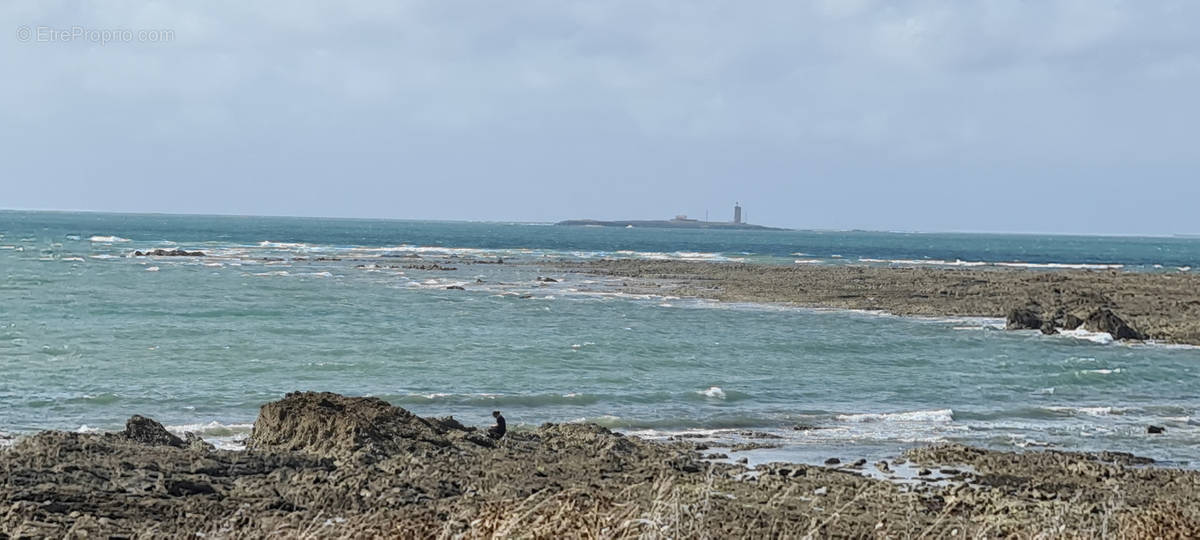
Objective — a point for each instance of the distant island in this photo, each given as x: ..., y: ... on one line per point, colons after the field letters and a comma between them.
x: 678, y: 222
x: 670, y: 224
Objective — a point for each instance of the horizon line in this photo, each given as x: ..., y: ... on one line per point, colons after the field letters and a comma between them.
x: 503, y: 221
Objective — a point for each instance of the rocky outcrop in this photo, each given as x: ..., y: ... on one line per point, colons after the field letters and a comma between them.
x: 1104, y: 320
x: 148, y: 431
x: 1023, y: 318
x: 168, y: 253
x: 335, y: 426
x: 427, y: 478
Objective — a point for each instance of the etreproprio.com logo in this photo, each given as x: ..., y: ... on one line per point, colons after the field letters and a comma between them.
x: 99, y: 36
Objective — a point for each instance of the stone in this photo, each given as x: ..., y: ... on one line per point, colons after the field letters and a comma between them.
x: 833, y: 461
x: 1156, y: 430
x: 456, y: 288
x: 1023, y: 318
x: 1104, y: 320
x: 1070, y: 321
x: 147, y: 431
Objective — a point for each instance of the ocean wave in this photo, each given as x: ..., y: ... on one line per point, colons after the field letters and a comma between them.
x: 211, y: 429
x: 808, y: 261
x: 494, y: 400
x: 1063, y: 266
x: 107, y: 239
x: 714, y: 392
x: 1103, y: 338
x: 1085, y: 411
x: 936, y: 416
x: 152, y: 269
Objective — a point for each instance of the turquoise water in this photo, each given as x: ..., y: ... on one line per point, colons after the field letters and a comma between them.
x: 90, y: 335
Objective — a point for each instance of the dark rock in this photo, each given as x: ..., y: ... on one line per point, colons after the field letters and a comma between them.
x: 833, y: 461
x: 1104, y: 320
x: 883, y: 467
x: 924, y: 472
x: 455, y: 288
x: 147, y: 431
x: 1071, y: 322
x: 168, y: 253
x: 1155, y: 430
x: 859, y: 463
x: 1023, y: 318
x: 547, y: 280
x: 1048, y: 328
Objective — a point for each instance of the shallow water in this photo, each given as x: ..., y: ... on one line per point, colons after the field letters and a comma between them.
x: 89, y: 336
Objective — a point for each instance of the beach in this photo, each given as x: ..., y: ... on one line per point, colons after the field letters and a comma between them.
x: 322, y: 465
x: 1163, y: 305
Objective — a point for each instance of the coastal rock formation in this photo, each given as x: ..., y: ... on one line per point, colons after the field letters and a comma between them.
x: 1023, y: 318
x: 1159, y: 306
x: 326, y: 465
x: 147, y: 431
x: 1104, y: 320
x: 335, y: 426
x: 168, y: 253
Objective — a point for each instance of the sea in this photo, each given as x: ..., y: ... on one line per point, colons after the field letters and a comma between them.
x: 91, y: 334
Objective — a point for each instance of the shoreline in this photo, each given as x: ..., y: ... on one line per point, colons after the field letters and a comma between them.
x: 1163, y: 307
x: 326, y: 465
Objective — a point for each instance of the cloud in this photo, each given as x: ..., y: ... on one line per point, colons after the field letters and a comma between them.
x: 838, y: 86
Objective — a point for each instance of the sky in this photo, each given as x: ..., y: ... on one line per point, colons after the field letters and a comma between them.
x: 1065, y: 116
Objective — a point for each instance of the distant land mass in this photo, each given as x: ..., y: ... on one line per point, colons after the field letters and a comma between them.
x: 670, y: 224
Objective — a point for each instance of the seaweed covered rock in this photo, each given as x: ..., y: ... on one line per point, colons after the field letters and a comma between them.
x: 332, y: 425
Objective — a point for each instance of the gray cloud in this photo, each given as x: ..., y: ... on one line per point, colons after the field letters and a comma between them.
x: 1062, y: 115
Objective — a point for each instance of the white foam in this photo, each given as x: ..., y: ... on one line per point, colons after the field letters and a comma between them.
x: 283, y: 245
x: 1086, y: 411
x: 213, y: 428
x: 937, y: 415
x: 714, y: 392
x: 152, y: 269
x: 107, y: 239
x: 86, y: 429
x: 1067, y: 266
x: 1103, y: 338
x: 808, y: 261
x: 1102, y: 371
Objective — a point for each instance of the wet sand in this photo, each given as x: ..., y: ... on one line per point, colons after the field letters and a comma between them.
x: 324, y: 465
x: 1163, y: 306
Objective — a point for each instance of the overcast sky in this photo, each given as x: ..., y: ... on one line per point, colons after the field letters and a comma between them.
x: 1004, y: 115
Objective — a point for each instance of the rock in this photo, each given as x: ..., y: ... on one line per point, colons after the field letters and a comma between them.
x: 1048, y: 328
x: 883, y: 467
x: 859, y: 463
x: 1070, y: 321
x: 331, y: 425
x: 168, y: 253
x: 1104, y: 320
x: 455, y: 288
x: 547, y: 280
x: 924, y: 472
x: 147, y: 431
x: 1023, y: 318
x: 1155, y: 430
x: 833, y: 461
x: 743, y: 460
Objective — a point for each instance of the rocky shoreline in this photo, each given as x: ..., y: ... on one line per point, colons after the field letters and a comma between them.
x: 325, y: 465
x: 1164, y: 307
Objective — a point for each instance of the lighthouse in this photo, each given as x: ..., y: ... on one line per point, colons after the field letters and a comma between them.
x: 737, y: 213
